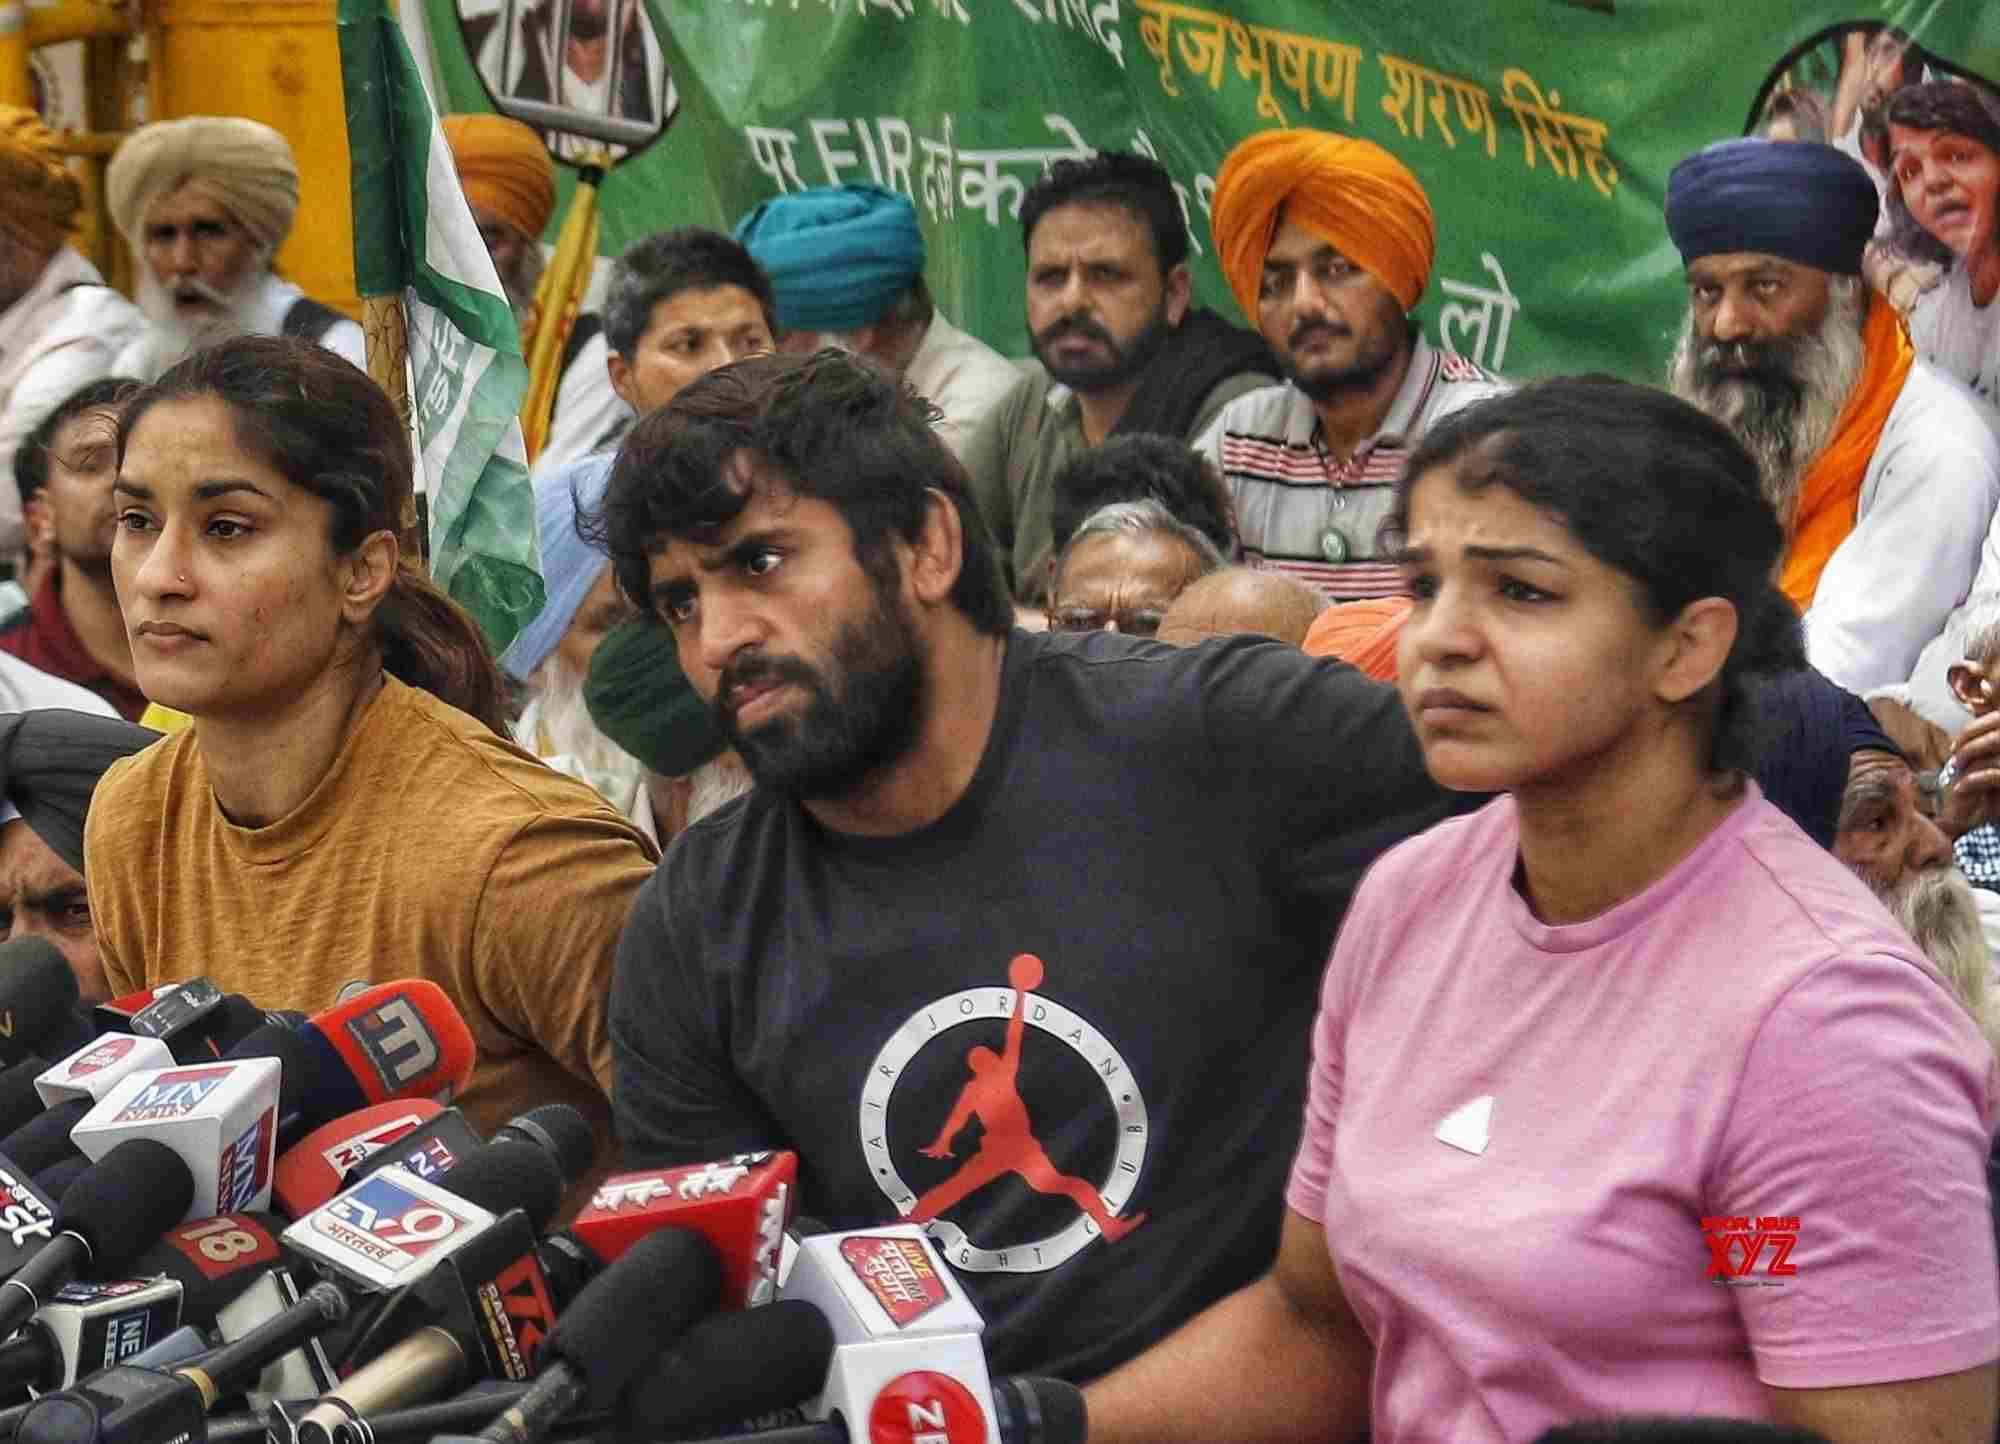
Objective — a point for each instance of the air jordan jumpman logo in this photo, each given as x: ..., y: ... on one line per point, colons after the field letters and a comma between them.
x: 1008, y: 1145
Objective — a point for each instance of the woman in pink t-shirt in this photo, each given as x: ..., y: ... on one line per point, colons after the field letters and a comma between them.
x: 1626, y: 1097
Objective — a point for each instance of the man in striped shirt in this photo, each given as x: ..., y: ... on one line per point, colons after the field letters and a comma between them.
x: 1328, y: 242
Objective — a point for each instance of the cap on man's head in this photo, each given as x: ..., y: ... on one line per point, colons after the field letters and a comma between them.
x: 39, y: 193
x: 1798, y: 200
x: 50, y: 762
x: 640, y: 698
x: 504, y: 169
x: 1351, y: 193
x: 246, y: 165
x: 838, y: 256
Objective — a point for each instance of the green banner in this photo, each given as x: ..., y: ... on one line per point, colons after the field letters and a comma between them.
x: 1543, y: 130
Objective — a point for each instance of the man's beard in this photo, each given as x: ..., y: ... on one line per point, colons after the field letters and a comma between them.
x: 1122, y: 364
x: 172, y: 334
x: 1936, y: 908
x: 1323, y: 383
x: 859, y: 717
x: 720, y: 780
x: 564, y: 728
x: 1780, y: 397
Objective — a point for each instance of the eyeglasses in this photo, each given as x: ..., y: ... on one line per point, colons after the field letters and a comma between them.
x: 1133, y: 623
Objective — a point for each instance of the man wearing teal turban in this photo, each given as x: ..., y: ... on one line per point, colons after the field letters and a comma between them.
x: 847, y: 264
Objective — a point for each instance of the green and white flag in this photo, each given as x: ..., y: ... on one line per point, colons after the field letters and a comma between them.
x: 414, y: 234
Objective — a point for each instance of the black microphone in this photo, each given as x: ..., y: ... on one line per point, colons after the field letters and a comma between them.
x: 41, y: 1144
x: 214, y: 1260
x: 613, y: 1330
x: 128, y: 1405
x: 727, y: 1368
x: 197, y: 1021
x: 55, y: 1180
x: 27, y: 1216
x: 117, y: 1207
x: 20, y: 1100
x: 558, y: 1130
x: 38, y: 1001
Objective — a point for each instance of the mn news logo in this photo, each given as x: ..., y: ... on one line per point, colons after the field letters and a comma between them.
x: 1738, y: 1248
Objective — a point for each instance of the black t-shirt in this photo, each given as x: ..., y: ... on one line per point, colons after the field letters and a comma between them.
x: 1174, y: 833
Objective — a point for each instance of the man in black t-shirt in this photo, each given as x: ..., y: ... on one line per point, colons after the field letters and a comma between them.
x: 1019, y: 936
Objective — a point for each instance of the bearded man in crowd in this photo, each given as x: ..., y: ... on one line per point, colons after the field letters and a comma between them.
x: 1884, y: 470
x: 205, y: 202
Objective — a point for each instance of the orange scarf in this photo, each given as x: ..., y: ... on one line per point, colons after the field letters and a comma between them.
x: 1831, y: 488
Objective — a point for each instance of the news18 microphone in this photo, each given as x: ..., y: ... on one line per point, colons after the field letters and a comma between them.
x: 115, y: 1209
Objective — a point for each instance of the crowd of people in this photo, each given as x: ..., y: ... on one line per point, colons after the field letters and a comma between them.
x: 1343, y: 889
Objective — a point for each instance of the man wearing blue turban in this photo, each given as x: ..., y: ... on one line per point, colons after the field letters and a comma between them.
x: 1884, y: 470
x: 847, y: 265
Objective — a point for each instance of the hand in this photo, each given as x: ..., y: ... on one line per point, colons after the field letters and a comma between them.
x: 940, y: 1149
x: 1973, y: 799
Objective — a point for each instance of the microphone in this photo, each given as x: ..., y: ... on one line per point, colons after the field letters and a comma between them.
x: 56, y: 1179
x: 613, y: 1330
x: 44, y: 1141
x: 27, y: 1218
x: 740, y: 1204
x: 395, y: 1040
x: 85, y: 1327
x: 116, y: 1015
x: 38, y: 1001
x: 311, y: 1171
x: 127, y: 1405
x: 115, y: 1209
x: 906, y: 1339
x: 214, y: 1260
x: 20, y: 1100
x: 730, y: 1367
x: 302, y: 1373
x: 92, y: 1070
x: 465, y: 1326
x: 198, y: 1021
x: 430, y: 1151
x: 219, y: 1117
x: 558, y: 1130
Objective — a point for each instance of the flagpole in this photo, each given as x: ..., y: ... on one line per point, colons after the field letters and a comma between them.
x: 386, y: 332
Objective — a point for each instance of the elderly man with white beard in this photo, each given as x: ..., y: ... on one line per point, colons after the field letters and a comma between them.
x: 205, y: 202
x: 1885, y: 470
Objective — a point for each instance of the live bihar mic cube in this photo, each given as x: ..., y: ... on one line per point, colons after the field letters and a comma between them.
x: 220, y: 1117
x: 99, y: 1066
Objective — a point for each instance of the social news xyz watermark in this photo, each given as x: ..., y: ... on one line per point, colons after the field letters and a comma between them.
x: 1751, y: 1252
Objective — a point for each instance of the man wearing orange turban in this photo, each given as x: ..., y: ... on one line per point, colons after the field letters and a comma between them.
x: 510, y: 184
x: 1328, y: 242
x: 60, y: 325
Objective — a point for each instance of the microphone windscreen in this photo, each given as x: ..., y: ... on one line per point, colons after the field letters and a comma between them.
x: 315, y: 1083
x: 561, y: 1131
x: 729, y: 1367
x: 123, y: 1203
x: 37, y: 995
x: 214, y: 1260
x: 44, y: 1142
x: 1050, y: 1411
x: 508, y: 1174
x: 55, y: 1181
x: 19, y: 1101
x: 405, y: 1039
x: 623, y: 1317
x: 235, y: 1019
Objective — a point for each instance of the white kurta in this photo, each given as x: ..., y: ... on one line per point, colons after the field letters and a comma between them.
x: 1923, y: 532
x: 61, y: 335
x: 960, y: 375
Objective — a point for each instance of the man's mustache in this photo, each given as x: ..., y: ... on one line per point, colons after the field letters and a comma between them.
x: 754, y: 668
x: 1766, y: 360
x: 1077, y: 326
x: 196, y: 289
x: 1307, y: 330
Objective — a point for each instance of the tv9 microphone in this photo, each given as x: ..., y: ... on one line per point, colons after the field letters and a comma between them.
x: 219, y: 1117
x: 38, y: 1001
x: 613, y: 1330
x: 739, y: 1204
x: 316, y: 1167
x: 115, y: 1209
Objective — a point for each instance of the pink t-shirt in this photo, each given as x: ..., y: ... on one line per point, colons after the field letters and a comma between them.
x: 1749, y: 1037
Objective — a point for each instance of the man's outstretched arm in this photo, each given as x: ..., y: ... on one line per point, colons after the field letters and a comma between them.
x: 1283, y: 1360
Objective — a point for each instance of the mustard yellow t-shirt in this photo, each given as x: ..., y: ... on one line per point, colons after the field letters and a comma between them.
x: 432, y: 849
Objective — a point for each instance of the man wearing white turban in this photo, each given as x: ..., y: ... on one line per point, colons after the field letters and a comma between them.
x: 205, y: 202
